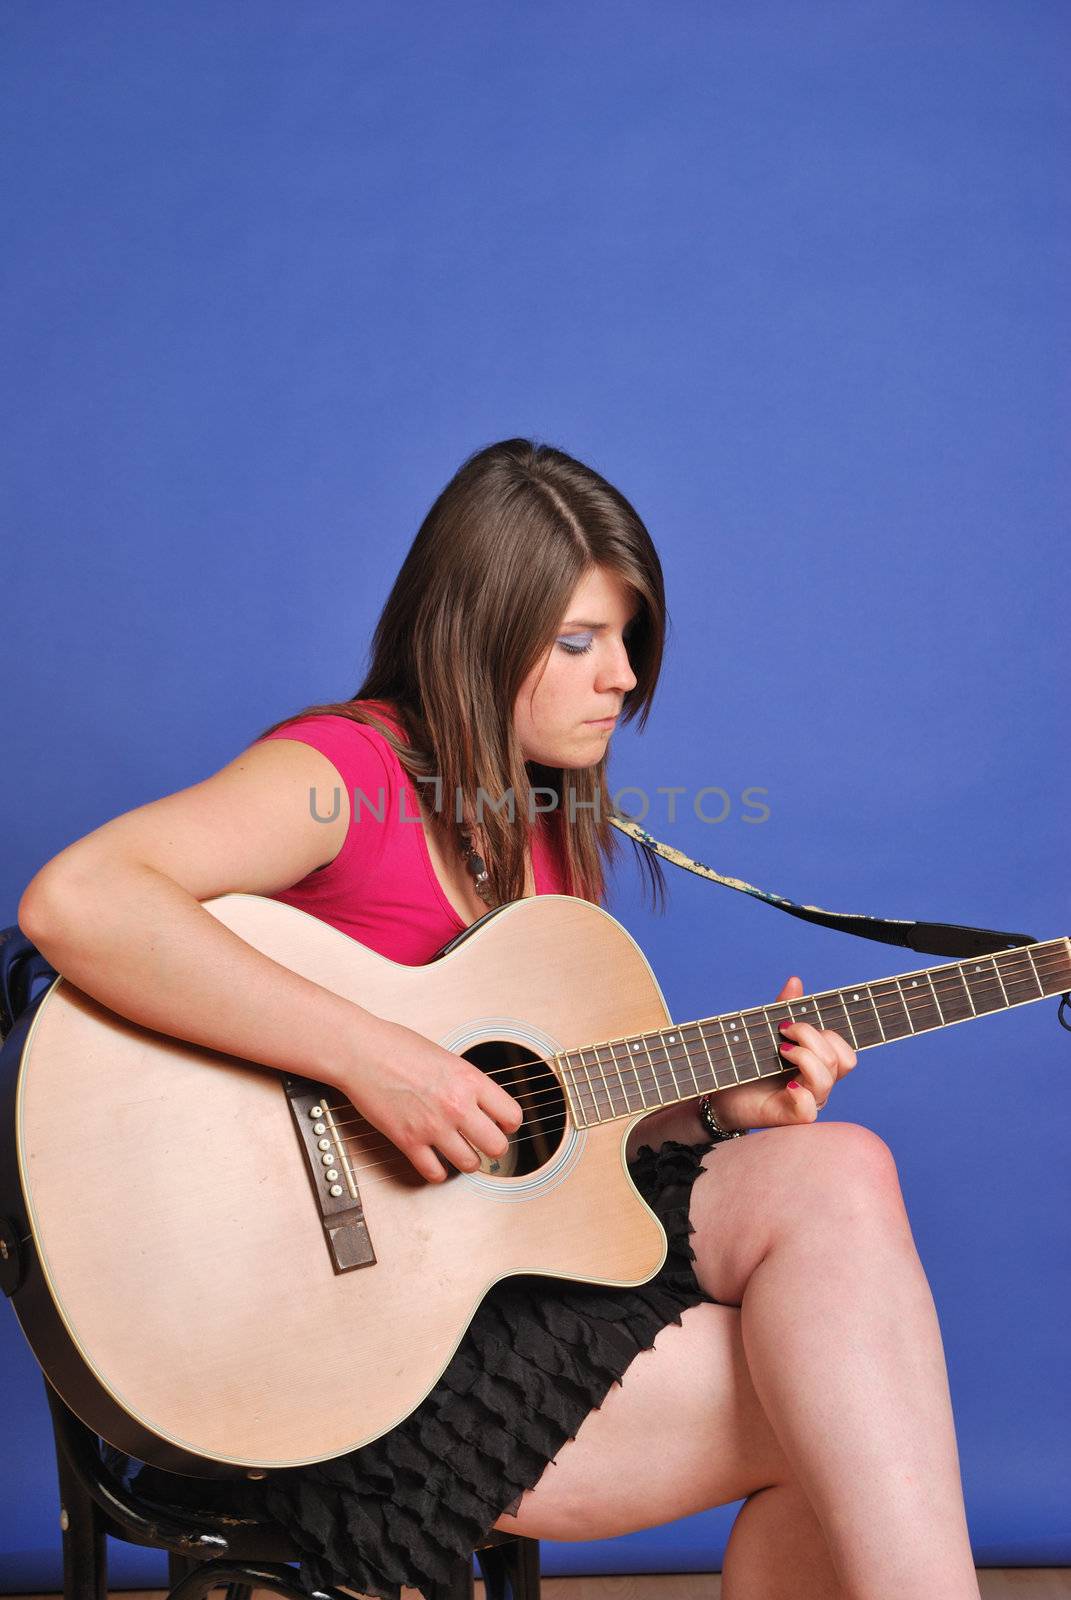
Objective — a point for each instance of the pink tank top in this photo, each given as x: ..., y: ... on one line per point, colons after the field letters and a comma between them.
x: 381, y: 888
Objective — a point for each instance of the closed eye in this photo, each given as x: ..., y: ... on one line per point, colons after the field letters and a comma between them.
x: 578, y: 644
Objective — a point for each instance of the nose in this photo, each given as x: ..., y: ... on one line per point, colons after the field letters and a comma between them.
x: 616, y: 670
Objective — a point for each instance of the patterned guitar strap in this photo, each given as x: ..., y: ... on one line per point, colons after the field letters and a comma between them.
x: 953, y: 939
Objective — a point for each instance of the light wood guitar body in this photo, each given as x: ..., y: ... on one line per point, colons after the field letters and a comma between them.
x: 177, y: 1231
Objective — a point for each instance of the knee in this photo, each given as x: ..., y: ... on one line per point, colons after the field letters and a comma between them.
x: 844, y: 1162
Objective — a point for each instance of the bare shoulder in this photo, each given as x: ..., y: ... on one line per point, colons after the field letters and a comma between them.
x: 261, y: 823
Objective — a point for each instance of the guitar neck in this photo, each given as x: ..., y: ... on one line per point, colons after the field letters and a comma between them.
x: 620, y: 1077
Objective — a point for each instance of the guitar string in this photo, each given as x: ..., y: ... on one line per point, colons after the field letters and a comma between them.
x: 886, y: 1004
x: 671, y: 1057
x: 663, y: 1072
x: 891, y: 1002
x: 398, y: 1159
x: 610, y: 1088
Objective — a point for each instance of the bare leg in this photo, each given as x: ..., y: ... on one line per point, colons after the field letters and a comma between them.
x: 777, y: 1551
x: 843, y: 1348
x: 828, y: 1392
x: 683, y: 1432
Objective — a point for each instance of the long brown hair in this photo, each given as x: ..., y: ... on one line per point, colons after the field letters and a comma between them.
x: 476, y: 604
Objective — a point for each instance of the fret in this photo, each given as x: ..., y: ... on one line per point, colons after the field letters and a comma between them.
x: 641, y: 1044
x: 936, y: 1002
x: 679, y: 1092
x: 630, y: 1067
x: 920, y: 1002
x: 1000, y: 980
x: 957, y: 972
x: 1034, y: 971
x: 775, y: 1038
x: 634, y: 1046
x: 739, y: 1049
x: 618, y: 1084
x: 628, y: 1057
x: 746, y: 1025
x: 583, y: 1099
x: 600, y: 1092
x: 808, y: 1013
x: 893, y: 1019
x: 833, y: 1015
x: 666, y: 1062
x: 1018, y: 976
x: 613, y: 1075
x: 725, y: 1075
x: 954, y: 992
x: 780, y: 1063
x: 866, y: 1027
x: 1063, y: 979
x: 586, y: 1088
x: 681, y: 1044
x: 877, y: 1013
x: 983, y: 986
x: 768, y: 1062
x: 705, y: 1068
x: 592, y: 1086
x: 613, y: 1084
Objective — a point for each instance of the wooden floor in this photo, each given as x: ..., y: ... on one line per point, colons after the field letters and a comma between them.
x: 996, y: 1583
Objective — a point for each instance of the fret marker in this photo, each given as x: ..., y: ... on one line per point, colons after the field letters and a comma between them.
x: 914, y: 983
x: 635, y: 1047
x: 855, y: 997
x: 673, y: 1038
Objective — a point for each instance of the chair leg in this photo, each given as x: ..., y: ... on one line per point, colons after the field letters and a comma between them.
x: 523, y: 1560
x: 510, y: 1569
x: 85, y: 1549
x: 494, y: 1570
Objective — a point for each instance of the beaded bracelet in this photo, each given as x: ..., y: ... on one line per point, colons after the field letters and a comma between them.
x: 713, y: 1127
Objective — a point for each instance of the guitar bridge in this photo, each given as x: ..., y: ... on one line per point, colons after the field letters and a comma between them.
x: 331, y: 1172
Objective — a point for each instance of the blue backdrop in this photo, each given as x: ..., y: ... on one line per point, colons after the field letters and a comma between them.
x: 789, y: 274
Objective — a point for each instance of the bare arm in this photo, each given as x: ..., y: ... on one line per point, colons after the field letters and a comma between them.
x: 119, y: 913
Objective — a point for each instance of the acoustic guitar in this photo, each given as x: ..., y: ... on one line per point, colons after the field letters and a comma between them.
x: 224, y: 1270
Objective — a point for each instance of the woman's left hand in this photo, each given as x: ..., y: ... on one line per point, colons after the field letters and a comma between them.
x: 817, y: 1056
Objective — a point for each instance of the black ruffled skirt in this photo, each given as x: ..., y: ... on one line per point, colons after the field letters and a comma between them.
x: 538, y: 1356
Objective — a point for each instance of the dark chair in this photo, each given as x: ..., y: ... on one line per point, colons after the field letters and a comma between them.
x: 208, y: 1550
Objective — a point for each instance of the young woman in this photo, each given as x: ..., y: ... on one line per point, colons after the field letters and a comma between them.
x: 788, y: 1353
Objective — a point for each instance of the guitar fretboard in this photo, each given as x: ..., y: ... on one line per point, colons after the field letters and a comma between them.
x: 620, y: 1077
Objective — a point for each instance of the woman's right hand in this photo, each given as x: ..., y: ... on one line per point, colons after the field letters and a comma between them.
x: 429, y: 1101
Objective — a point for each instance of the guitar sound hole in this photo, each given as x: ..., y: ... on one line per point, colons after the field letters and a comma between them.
x: 538, y: 1092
